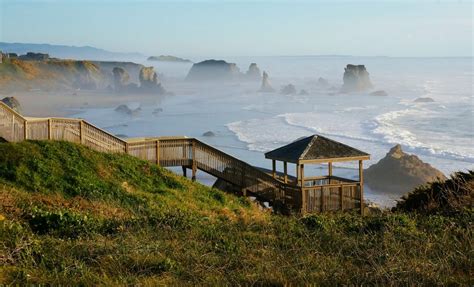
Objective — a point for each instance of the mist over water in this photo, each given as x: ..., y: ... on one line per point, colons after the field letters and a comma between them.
x: 248, y: 123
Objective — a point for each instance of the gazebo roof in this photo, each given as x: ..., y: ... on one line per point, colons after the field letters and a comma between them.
x: 314, y: 149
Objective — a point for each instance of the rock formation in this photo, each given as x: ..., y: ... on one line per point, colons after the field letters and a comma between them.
x: 424, y: 100
x: 380, y: 93
x: 208, y: 134
x: 266, y: 87
x: 213, y: 70
x: 168, y: 58
x: 288, y: 90
x: 253, y: 73
x: 124, y: 109
x: 356, y: 79
x: 400, y: 173
x: 121, y: 78
x: 149, y: 81
x: 13, y: 103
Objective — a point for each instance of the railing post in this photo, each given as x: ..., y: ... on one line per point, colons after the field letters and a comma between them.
x: 303, y: 201
x: 81, y: 132
x: 50, y: 135
x: 25, y: 130
x: 126, y: 147
x: 361, y: 184
x: 194, y: 167
x: 341, y: 199
x: 158, y: 152
x: 322, y: 199
x: 242, y: 181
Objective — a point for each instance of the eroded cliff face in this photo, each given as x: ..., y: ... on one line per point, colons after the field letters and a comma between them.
x: 356, y: 79
x: 60, y: 75
x: 399, y: 172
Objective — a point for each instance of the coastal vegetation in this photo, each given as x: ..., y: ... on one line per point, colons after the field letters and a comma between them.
x: 70, y: 215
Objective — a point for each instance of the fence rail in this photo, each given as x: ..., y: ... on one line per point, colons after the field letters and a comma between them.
x: 185, y: 152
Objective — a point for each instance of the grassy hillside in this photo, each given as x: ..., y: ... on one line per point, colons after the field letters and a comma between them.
x: 69, y: 215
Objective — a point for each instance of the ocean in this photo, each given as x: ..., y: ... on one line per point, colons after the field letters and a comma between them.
x: 247, y: 123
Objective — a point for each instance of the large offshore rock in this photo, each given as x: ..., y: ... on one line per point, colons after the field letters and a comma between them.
x: 356, y: 79
x: 214, y: 70
x: 399, y: 172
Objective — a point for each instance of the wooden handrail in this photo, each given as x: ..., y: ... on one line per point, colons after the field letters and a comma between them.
x: 166, y: 151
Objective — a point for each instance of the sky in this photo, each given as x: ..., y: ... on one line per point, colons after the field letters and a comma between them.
x: 246, y: 28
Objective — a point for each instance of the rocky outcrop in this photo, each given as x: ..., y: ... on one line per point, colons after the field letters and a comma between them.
x: 289, y: 89
x: 356, y: 79
x: 266, y: 87
x: 213, y: 70
x: 209, y: 134
x: 380, y: 93
x: 149, y: 81
x: 121, y: 78
x: 253, y: 73
x: 13, y: 103
x: 424, y: 100
x: 400, y: 173
x: 124, y: 109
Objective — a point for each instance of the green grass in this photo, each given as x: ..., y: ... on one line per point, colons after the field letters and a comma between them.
x: 69, y: 215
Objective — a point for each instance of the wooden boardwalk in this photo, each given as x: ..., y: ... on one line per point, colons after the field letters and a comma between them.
x: 185, y: 152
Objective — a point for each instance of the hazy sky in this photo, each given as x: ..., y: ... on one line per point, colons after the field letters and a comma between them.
x: 246, y: 28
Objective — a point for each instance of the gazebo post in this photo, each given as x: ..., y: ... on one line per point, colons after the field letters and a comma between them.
x: 330, y: 171
x: 302, y: 175
x: 285, y: 170
x: 274, y: 168
x: 301, y: 184
x: 361, y: 183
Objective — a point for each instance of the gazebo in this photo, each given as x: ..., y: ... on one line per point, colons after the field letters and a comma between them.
x: 321, y: 193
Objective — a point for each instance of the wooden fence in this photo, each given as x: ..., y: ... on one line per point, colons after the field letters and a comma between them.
x: 185, y: 152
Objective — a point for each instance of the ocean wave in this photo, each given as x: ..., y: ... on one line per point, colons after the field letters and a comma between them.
x: 387, y: 126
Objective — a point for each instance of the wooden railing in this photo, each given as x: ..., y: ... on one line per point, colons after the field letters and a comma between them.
x: 165, y: 151
x: 320, y: 194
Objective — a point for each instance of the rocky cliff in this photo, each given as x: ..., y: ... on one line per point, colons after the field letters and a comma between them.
x: 61, y: 75
x: 356, y: 79
x: 399, y: 172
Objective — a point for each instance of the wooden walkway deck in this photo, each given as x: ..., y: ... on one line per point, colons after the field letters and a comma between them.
x: 174, y: 151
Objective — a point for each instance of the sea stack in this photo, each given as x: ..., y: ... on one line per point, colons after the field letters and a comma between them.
x: 400, y: 173
x: 149, y: 81
x: 253, y: 72
x: 356, y: 79
x: 213, y: 70
x: 266, y: 87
